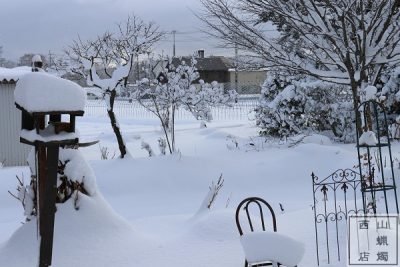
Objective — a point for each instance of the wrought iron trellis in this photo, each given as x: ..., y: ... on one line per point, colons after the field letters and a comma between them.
x: 373, y: 146
x: 343, y: 188
x: 374, y: 182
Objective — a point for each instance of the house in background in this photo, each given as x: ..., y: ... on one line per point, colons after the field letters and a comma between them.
x: 214, y: 68
x: 12, y: 152
x: 222, y: 69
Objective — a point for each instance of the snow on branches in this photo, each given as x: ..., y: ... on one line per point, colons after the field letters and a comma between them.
x: 112, y: 54
x: 26, y: 194
x: 178, y: 90
x: 302, y: 105
x: 211, y: 196
x: 343, y: 42
x: 74, y: 177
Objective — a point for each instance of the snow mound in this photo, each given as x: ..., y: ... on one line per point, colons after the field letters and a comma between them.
x: 370, y: 92
x: 214, y: 225
x: 77, y: 169
x: 87, y: 237
x: 271, y: 246
x: 317, y: 139
x: 41, y: 92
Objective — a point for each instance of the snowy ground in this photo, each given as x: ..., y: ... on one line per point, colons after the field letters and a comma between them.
x: 157, y: 198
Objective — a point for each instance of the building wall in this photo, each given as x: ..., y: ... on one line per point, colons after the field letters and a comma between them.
x: 210, y: 76
x: 249, y: 82
x: 12, y: 152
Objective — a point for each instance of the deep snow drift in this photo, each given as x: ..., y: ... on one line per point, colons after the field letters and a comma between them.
x: 147, y: 215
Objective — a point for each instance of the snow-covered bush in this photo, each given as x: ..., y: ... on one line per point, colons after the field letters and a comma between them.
x: 26, y: 194
x: 280, y: 108
x: 305, y: 105
x: 74, y: 177
x: 329, y: 107
x: 390, y: 91
x: 179, y: 91
x: 105, y: 153
x: 390, y: 97
x: 148, y: 148
x: 211, y: 195
x: 162, y: 145
x: 272, y: 86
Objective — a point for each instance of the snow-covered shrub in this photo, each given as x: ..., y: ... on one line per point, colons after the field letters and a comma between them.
x: 305, y: 105
x: 272, y: 86
x: 232, y: 142
x: 211, y: 195
x: 26, y: 194
x: 148, y: 148
x: 329, y: 107
x: 179, y: 91
x: 162, y: 145
x: 105, y: 153
x: 283, y: 115
x: 390, y: 97
x: 389, y: 94
x: 74, y: 177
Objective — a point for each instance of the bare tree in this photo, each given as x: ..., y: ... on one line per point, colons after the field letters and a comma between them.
x: 342, y: 41
x: 120, y: 48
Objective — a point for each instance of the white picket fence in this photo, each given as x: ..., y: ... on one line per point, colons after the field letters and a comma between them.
x: 242, y: 110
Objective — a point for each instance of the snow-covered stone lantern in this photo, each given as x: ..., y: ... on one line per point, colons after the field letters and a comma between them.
x: 49, y: 107
x: 37, y: 63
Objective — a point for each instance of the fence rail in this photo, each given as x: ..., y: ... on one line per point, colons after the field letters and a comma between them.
x: 124, y: 109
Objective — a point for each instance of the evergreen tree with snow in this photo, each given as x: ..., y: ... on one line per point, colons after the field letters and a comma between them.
x: 305, y: 105
x: 390, y: 93
x: 282, y: 116
x: 390, y: 98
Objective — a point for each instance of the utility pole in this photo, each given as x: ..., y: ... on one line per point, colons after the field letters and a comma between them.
x: 236, y: 66
x: 173, y: 47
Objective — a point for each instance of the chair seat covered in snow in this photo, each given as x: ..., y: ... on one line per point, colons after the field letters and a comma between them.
x: 263, y: 248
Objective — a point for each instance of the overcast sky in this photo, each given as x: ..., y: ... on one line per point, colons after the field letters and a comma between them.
x: 40, y: 26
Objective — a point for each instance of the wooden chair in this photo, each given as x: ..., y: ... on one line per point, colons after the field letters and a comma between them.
x: 260, y: 207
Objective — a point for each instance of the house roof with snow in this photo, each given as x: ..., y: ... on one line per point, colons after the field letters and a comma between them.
x: 42, y: 92
x: 11, y: 76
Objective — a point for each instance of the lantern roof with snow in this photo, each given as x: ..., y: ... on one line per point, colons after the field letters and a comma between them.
x: 39, y: 92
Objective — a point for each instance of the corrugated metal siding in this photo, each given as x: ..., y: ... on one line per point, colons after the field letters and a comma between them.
x: 12, y: 152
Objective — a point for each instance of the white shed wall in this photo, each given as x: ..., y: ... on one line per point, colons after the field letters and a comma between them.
x: 12, y: 152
